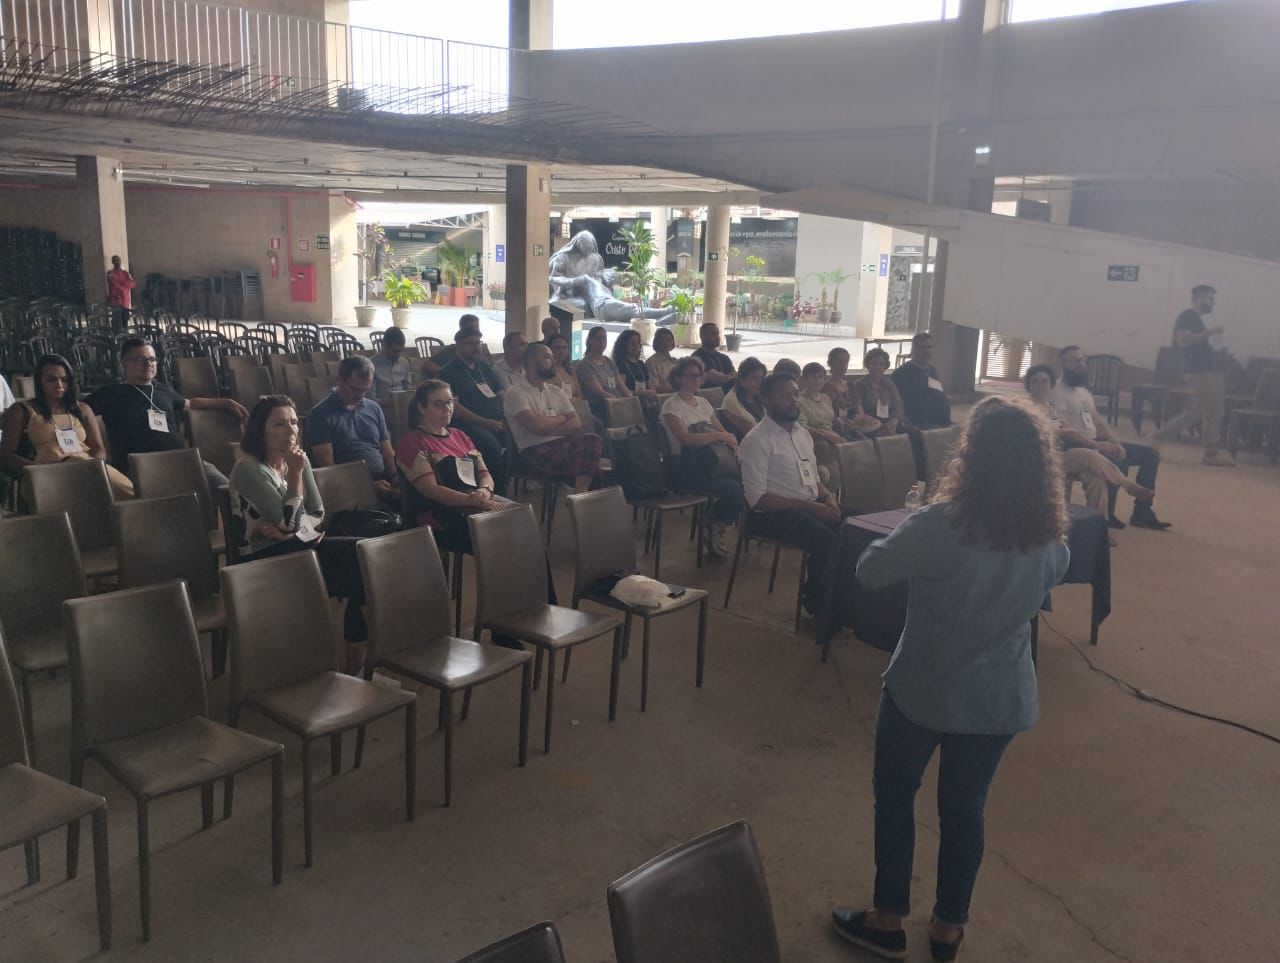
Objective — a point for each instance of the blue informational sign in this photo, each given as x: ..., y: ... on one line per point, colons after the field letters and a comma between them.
x: 499, y: 252
x: 884, y: 265
x: 578, y: 343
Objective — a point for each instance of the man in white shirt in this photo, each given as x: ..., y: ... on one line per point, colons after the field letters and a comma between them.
x: 546, y: 428
x: 511, y: 365
x: 781, y: 484
x: 1083, y: 427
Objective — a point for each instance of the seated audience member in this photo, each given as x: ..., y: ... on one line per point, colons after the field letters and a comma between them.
x: 511, y: 365
x: 598, y: 376
x: 681, y: 413
x: 1085, y: 465
x: 349, y: 426
x: 54, y: 426
x: 275, y: 499
x: 546, y: 428
x: 477, y: 407
x: 143, y: 414
x: 877, y: 395
x: 550, y: 328
x: 660, y: 362
x: 565, y: 378
x: 392, y: 371
x: 923, y: 398
x: 628, y: 358
x: 1083, y: 427
x: 816, y: 410
x: 743, y: 407
x: 443, y: 466
x: 787, y: 367
x: 717, y: 366
x: 781, y: 483
x: 468, y: 322
x: 837, y: 385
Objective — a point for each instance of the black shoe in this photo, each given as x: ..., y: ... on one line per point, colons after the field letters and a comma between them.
x: 945, y: 952
x: 852, y: 927
x: 1145, y: 517
x: 1114, y: 522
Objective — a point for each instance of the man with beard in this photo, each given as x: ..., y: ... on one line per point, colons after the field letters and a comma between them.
x: 545, y: 426
x: 1083, y: 427
x: 781, y: 484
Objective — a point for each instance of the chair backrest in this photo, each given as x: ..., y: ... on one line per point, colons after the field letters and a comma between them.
x: 345, y: 487
x: 1168, y: 366
x: 158, y: 539
x: 427, y: 346
x: 79, y: 487
x: 232, y: 524
x: 281, y: 627
x: 40, y: 569
x: 277, y: 363
x: 1267, y: 394
x: 540, y: 943
x: 400, y: 414
x: 135, y: 663
x: 703, y: 900
x: 406, y: 590
x: 198, y: 378
x: 213, y: 431
x: 297, y: 385
x: 250, y: 382
x: 1253, y: 371
x: 713, y: 395
x: 602, y: 538
x: 583, y: 410
x: 13, y: 738
x: 939, y: 445
x: 1104, y: 373
x: 861, y: 481
x: 318, y: 388
x: 623, y: 412
x: 511, y: 572
x: 898, y: 469
x: 158, y: 474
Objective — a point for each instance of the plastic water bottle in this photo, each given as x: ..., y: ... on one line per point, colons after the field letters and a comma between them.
x: 915, y: 499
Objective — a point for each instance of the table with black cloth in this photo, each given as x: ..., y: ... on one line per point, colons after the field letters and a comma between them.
x: 877, y: 616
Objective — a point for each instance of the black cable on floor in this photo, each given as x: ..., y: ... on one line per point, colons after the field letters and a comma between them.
x: 1146, y: 696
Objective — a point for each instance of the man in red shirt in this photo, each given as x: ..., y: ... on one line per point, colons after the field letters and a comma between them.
x: 120, y: 284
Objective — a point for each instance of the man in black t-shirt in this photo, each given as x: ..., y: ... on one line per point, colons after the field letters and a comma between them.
x: 923, y: 397
x: 142, y: 414
x: 717, y: 367
x: 1196, y: 342
x: 478, y: 402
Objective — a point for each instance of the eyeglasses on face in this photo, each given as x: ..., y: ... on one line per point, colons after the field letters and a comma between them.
x: 142, y: 359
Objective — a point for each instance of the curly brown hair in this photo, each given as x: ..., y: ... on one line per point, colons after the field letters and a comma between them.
x: 1005, y: 484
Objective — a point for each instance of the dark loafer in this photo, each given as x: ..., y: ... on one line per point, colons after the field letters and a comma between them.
x: 945, y: 952
x: 852, y: 927
x: 1147, y: 519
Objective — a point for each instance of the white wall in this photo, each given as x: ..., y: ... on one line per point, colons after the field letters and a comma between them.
x: 824, y: 244
x: 1048, y: 283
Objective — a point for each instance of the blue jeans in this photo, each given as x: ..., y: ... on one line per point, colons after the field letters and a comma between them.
x: 726, y: 491
x: 968, y: 763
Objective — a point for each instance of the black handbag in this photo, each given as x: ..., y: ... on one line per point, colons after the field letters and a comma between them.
x: 715, y: 460
x: 363, y: 523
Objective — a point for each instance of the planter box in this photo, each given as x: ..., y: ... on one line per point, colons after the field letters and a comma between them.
x: 458, y: 297
x: 365, y: 314
x: 400, y: 317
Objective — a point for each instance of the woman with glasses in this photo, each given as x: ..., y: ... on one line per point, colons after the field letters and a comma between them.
x: 54, y: 426
x: 559, y: 345
x: 447, y: 475
x: 690, y: 423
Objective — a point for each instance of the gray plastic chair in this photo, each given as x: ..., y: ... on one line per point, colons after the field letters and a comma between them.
x: 540, y: 943
x: 80, y: 488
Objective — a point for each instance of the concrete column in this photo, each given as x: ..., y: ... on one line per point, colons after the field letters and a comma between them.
x: 528, y: 230
x: 495, y: 235
x: 530, y: 24
x: 100, y: 208
x: 717, y: 266
x: 659, y: 219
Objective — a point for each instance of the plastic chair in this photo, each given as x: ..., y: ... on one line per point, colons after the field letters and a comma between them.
x: 410, y: 633
x: 713, y: 395
x: 1263, y: 414
x: 604, y: 546
x: 706, y: 899
x: 159, y: 539
x: 939, y: 445
x: 898, y: 468
x: 34, y: 804
x: 624, y: 412
x: 284, y: 665
x: 861, y: 481
x: 158, y: 474
x: 39, y: 569
x: 141, y: 710
x: 1168, y: 376
x: 213, y: 432
x: 511, y: 590
x: 345, y: 487
x: 540, y: 943
x: 80, y: 488
x: 1104, y: 380
x: 249, y: 383
x: 745, y: 534
x: 198, y: 378
x: 426, y: 346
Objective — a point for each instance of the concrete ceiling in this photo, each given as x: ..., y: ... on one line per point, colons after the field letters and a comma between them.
x: 44, y: 146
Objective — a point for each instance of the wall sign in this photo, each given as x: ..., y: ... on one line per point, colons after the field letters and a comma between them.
x: 539, y: 250
x: 304, y: 245
x: 713, y: 255
x: 322, y: 242
x: 500, y: 253
x: 884, y: 265
x: 1122, y: 272
x: 276, y: 241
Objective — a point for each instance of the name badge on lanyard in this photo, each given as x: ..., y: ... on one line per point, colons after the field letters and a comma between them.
x: 882, y: 410
x: 157, y: 420
x: 307, y: 530
x: 466, y: 471
x: 485, y: 390
x: 68, y: 443
x: 1086, y: 418
x: 808, y: 477
x: 935, y: 384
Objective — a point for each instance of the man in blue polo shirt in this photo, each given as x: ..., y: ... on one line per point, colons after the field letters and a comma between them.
x: 347, y: 426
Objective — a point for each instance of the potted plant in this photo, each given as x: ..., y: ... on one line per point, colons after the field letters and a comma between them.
x: 497, y: 293
x: 455, y: 270
x: 640, y: 274
x: 685, y: 303
x: 372, y: 247
x: 402, y: 292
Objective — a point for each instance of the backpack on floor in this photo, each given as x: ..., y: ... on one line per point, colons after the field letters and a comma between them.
x: 637, y: 464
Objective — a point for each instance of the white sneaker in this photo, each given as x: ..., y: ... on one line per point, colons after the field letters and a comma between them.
x: 720, y: 544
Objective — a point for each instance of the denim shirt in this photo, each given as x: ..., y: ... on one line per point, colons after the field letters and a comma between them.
x: 963, y: 664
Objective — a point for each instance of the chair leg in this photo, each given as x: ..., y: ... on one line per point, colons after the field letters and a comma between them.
x: 359, y: 748
x: 551, y: 700
x: 537, y: 668
x: 31, y: 849
x: 466, y: 701
x: 457, y: 592
x: 698, y: 521
x: 804, y: 568
x: 526, y: 680
x: 773, y: 571
x: 277, y: 817
x: 218, y: 652
x: 102, y: 876
x: 229, y: 784
x: 335, y: 754
x: 657, y: 543
x: 306, y: 802
x: 206, y: 804
x: 626, y: 635
x: 702, y: 639
x: 73, y: 828
x: 644, y: 667
x: 28, y: 716
x: 733, y: 571
x: 615, y: 673
x: 144, y: 869
x: 411, y: 759
x: 564, y: 677
x: 446, y: 720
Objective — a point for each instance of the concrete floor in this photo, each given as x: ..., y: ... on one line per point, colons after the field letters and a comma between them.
x: 1117, y: 830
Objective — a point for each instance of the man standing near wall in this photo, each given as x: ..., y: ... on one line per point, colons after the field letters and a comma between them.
x: 120, y: 285
x: 1201, y: 352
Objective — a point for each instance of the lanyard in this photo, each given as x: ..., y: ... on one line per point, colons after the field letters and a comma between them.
x: 151, y: 399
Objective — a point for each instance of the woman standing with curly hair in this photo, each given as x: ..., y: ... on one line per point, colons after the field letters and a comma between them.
x: 980, y: 561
